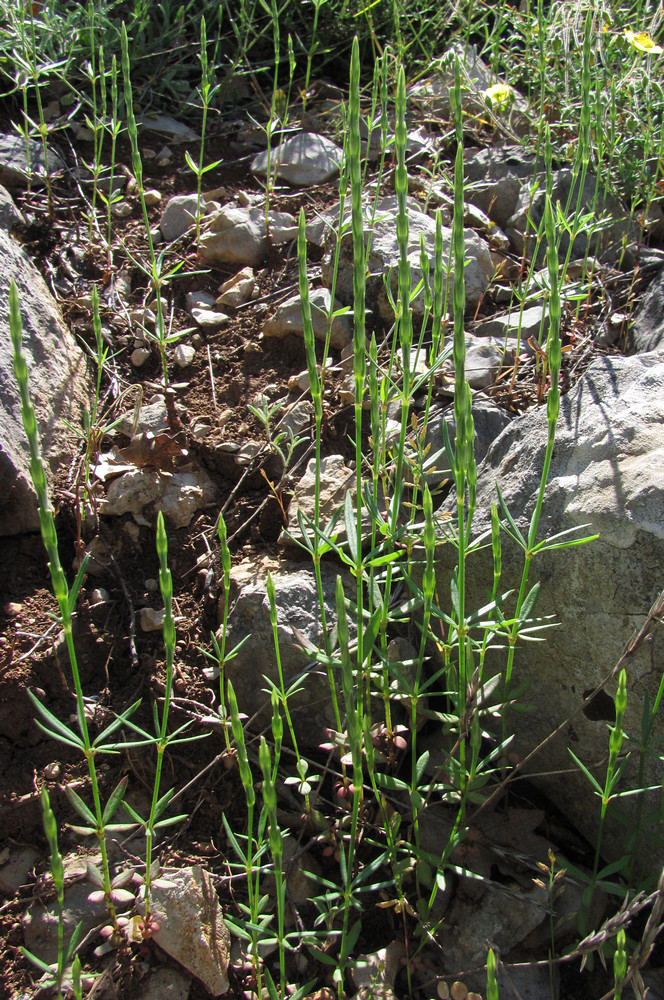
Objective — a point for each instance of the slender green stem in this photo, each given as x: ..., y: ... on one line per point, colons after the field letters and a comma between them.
x: 166, y: 587
x: 59, y: 580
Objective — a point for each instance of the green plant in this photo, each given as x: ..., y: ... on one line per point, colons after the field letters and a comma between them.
x: 282, y: 442
x: 114, y: 128
x: 614, y: 770
x: 96, y: 422
x: 68, y: 963
x: 220, y: 656
x: 554, y: 888
x: 98, y: 820
x: 30, y: 69
x: 600, y: 106
x: 491, y: 984
x: 207, y: 92
x: 163, y: 739
x: 619, y: 963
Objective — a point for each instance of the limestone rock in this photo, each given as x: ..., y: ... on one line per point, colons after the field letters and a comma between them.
x: 140, y: 356
x: 484, y: 359
x: 238, y: 234
x: 178, y: 495
x: 152, y: 619
x: 57, y: 373
x: 234, y: 236
x: 497, y: 198
x: 647, y: 333
x: 152, y: 416
x: 199, y: 300
x: 179, y: 215
x: 15, y: 868
x: 605, y: 243
x: 297, y: 608
x: 383, y: 258
x: 496, y: 163
x: 184, y: 355
x: 40, y: 923
x: 532, y: 322
x: 303, y: 160
x: 10, y: 216
x: 191, y: 926
x: 490, y: 420
x: 334, y: 479
x: 165, y: 125
x: 165, y: 984
x: 288, y: 319
x: 283, y: 227
x: 605, y: 475
x: 16, y: 167
x: 495, y: 177
x: 435, y: 92
x: 210, y: 319
x: 238, y: 289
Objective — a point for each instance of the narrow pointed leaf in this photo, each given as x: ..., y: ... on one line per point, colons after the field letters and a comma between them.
x: 529, y: 603
x: 37, y: 962
x: 119, y: 720
x: 517, y: 535
x: 76, y: 586
x: 115, y: 799
x: 79, y: 805
x: 132, y: 812
x: 163, y: 802
x: 54, y: 723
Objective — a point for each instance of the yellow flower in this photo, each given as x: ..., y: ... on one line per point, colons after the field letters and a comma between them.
x: 642, y: 42
x: 500, y: 95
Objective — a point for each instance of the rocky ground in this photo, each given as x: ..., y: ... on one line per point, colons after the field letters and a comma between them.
x: 197, y: 449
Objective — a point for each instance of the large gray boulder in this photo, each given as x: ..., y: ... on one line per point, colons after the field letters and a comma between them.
x: 21, y: 163
x: 605, y: 477
x: 57, y: 373
x: 302, y: 160
x: 490, y: 420
x: 647, y: 334
x: 383, y: 258
x: 603, y: 237
x: 297, y: 605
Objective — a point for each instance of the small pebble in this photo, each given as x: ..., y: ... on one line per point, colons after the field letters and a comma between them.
x: 184, y: 355
x: 121, y: 209
x: 151, y: 585
x: 154, y: 305
x: 200, y: 431
x: 99, y: 596
x: 209, y: 318
x: 199, y: 300
x: 152, y: 197
x: 152, y: 619
x: 139, y: 357
x: 145, y: 317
